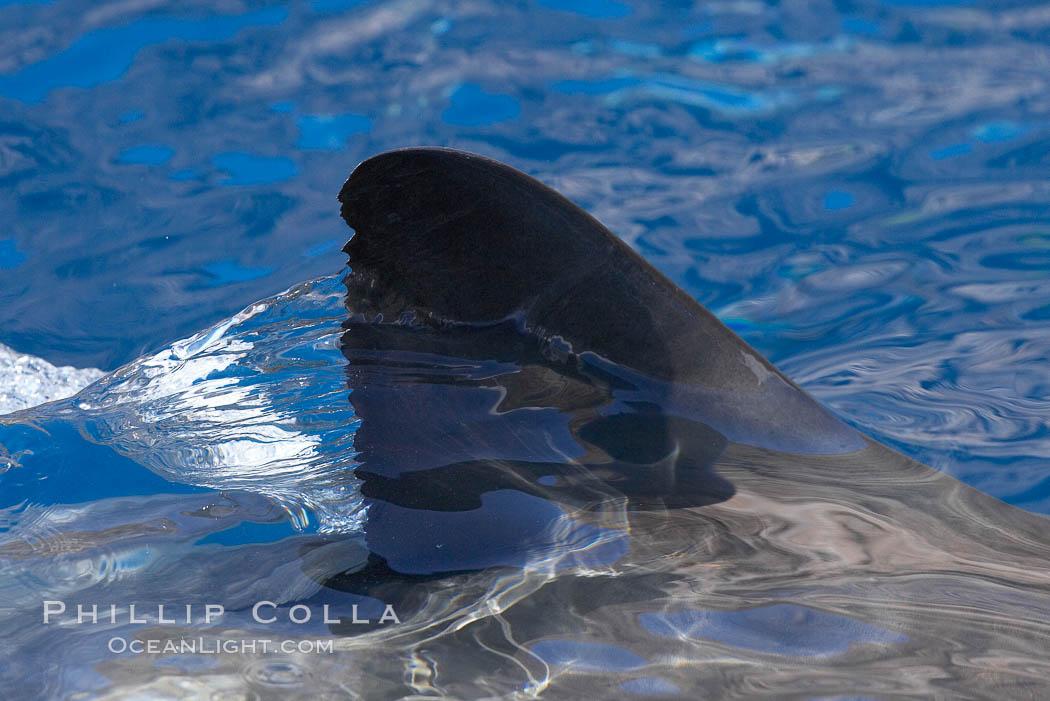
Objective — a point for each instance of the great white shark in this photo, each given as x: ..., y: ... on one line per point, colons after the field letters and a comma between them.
x: 576, y: 482
x: 513, y: 361
x: 606, y: 382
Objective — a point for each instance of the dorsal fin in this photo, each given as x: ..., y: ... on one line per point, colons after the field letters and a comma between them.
x: 470, y: 239
x: 453, y: 236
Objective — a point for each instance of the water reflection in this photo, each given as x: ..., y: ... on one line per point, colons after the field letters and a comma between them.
x: 719, y: 139
x: 514, y: 537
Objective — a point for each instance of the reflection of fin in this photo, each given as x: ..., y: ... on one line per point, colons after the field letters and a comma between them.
x: 439, y: 430
x: 446, y: 236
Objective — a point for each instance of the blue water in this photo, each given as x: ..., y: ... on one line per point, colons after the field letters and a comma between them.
x: 860, y: 189
x: 859, y: 192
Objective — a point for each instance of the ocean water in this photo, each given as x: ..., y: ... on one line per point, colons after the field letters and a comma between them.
x: 858, y: 189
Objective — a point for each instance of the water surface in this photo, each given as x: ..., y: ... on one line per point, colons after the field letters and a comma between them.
x: 858, y: 189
